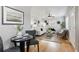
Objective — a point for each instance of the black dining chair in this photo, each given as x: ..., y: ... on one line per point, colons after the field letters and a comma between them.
x: 33, y: 41
x: 13, y: 49
x: 64, y: 34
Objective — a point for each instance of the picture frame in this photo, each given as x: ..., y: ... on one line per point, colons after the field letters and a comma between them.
x: 11, y: 16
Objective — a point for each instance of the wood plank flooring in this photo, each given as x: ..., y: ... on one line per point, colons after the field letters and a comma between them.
x: 53, y: 45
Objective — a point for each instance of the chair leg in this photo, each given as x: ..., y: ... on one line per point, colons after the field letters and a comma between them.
x: 34, y: 46
x: 38, y: 47
x: 28, y: 45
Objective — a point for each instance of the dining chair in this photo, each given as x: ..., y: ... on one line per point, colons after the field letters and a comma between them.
x: 33, y: 41
x: 64, y: 34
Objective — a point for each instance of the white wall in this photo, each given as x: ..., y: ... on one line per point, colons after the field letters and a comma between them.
x: 71, y: 25
x: 43, y: 11
x: 7, y: 31
x: 77, y: 27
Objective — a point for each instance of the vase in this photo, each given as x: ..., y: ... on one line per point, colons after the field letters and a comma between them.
x: 19, y: 34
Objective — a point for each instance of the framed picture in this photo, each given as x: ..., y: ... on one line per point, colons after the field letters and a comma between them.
x: 12, y: 16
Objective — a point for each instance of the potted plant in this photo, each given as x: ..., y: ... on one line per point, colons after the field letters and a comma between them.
x: 19, y: 30
x: 49, y: 32
x: 63, y: 25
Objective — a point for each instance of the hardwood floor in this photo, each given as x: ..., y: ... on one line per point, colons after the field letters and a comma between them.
x: 53, y: 44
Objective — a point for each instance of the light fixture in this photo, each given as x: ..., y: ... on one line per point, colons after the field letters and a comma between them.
x: 49, y: 15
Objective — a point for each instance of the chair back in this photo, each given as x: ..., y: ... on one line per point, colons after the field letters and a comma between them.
x: 31, y: 32
x: 1, y: 45
x: 67, y: 34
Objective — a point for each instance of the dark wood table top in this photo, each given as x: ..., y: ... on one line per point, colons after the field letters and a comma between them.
x: 19, y: 39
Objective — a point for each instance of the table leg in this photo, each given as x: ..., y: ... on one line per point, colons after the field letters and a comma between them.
x: 28, y: 44
x: 15, y: 44
x: 22, y: 46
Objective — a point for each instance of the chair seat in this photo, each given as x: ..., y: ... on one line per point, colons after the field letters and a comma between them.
x: 13, y: 49
x: 34, y: 41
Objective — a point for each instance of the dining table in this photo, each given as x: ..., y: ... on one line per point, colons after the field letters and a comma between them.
x: 22, y: 41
